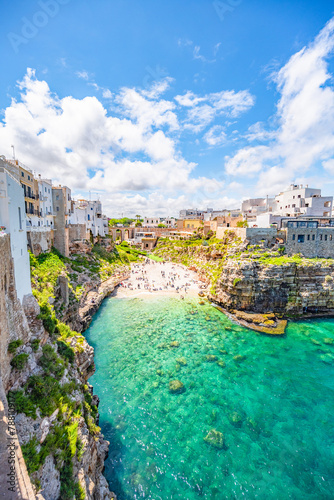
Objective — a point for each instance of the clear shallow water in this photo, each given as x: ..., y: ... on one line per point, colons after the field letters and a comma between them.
x: 275, y: 407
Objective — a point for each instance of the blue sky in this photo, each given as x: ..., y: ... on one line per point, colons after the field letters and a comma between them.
x: 159, y: 106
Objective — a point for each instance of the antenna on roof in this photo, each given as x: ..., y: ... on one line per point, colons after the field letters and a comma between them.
x: 12, y: 146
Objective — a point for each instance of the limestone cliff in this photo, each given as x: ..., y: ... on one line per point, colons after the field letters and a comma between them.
x: 44, y: 367
x: 245, y: 277
x: 289, y: 288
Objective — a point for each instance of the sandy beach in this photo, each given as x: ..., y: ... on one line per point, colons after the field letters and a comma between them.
x: 159, y: 278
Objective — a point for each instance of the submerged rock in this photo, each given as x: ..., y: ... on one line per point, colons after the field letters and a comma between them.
x: 176, y: 387
x: 160, y: 373
x: 235, y: 419
x: 215, y: 438
x: 239, y: 357
x: 175, y: 343
x: 221, y: 363
x: 328, y: 341
x: 182, y: 361
x: 316, y: 342
x: 211, y: 358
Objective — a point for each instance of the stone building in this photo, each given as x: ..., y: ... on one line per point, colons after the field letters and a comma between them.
x: 310, y: 238
x: 189, y: 224
x: 61, y: 197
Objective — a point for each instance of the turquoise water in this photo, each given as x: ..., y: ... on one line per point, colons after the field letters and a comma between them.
x: 274, y: 405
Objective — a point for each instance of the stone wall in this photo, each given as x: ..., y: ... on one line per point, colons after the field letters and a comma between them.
x: 13, y: 322
x: 76, y: 232
x: 253, y: 234
x: 310, y: 242
x: 39, y: 240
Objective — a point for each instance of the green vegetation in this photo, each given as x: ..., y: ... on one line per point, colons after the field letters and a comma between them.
x: 12, y: 346
x: 35, y: 344
x: 155, y: 257
x: 242, y: 223
x: 19, y: 361
x: 124, y: 220
x: 236, y: 281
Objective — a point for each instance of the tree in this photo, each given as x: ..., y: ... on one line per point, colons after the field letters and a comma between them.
x: 162, y: 225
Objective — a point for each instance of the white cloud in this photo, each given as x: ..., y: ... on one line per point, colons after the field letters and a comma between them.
x: 204, y: 109
x: 76, y: 142
x: 329, y: 166
x: 304, y: 136
x: 82, y: 74
x: 215, y: 136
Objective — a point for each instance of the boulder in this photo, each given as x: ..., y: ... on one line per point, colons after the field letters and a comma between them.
x: 215, y: 438
x: 176, y: 387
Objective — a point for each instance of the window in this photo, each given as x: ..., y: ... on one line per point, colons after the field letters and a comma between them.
x: 28, y: 177
x: 20, y: 220
x: 57, y: 197
x: 293, y: 237
x: 330, y: 237
x: 301, y: 238
x: 22, y: 174
x: 320, y: 237
x: 45, y: 190
x: 57, y: 209
x: 325, y: 237
x: 299, y: 196
x: 308, y: 237
x: 313, y: 237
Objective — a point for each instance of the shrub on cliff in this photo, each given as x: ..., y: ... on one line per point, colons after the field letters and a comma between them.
x: 19, y: 361
x: 12, y: 346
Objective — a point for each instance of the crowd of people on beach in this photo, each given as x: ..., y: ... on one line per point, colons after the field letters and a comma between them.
x: 167, y: 280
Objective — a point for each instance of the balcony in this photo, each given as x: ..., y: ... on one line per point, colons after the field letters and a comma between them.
x: 31, y: 211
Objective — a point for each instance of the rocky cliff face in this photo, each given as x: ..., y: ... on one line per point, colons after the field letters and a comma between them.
x: 290, y: 289
x: 243, y: 277
x: 55, y: 410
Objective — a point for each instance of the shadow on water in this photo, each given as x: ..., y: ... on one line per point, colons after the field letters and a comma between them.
x: 113, y: 463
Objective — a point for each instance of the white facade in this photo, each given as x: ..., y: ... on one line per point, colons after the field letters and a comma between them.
x: 90, y: 213
x: 45, y: 202
x: 151, y: 221
x: 191, y: 214
x: 299, y: 200
x: 12, y: 217
x: 256, y: 206
x: 169, y: 222
x: 208, y: 216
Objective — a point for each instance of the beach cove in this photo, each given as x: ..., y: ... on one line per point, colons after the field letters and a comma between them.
x: 253, y: 416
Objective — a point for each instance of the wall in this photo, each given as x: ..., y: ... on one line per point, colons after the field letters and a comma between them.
x: 61, y: 242
x: 319, y: 247
x: 13, y: 323
x: 39, y: 240
x: 253, y: 234
x: 76, y: 232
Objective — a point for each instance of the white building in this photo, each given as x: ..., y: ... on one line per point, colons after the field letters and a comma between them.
x: 256, y: 206
x: 191, y: 214
x: 151, y: 221
x: 169, y: 222
x: 212, y: 214
x: 12, y: 218
x: 90, y: 213
x: 45, y: 202
x: 299, y: 200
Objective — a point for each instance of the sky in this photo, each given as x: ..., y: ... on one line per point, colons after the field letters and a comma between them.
x: 156, y: 106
